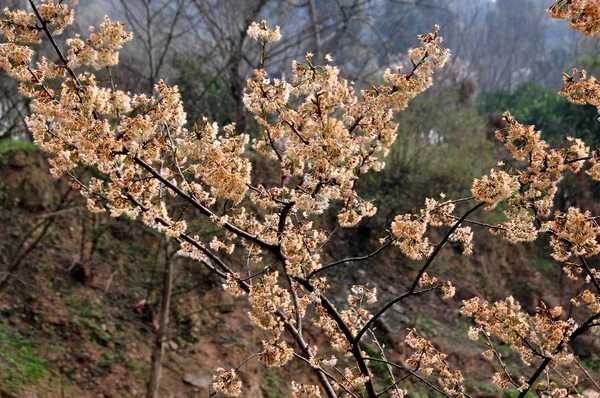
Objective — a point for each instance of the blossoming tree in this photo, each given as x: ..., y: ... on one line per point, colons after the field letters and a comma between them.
x: 323, y: 137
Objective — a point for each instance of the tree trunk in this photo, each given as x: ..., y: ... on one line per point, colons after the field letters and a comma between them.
x: 163, y: 324
x: 237, y: 84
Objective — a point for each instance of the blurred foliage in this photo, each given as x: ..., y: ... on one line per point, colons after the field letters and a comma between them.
x: 441, y: 147
x: 203, y: 93
x: 557, y: 119
x: 8, y: 146
x: 533, y: 104
x: 588, y: 58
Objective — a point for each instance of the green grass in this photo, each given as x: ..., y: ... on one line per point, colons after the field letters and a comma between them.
x: 141, y: 370
x: 23, y: 365
x: 85, y: 314
x: 134, y: 250
x: 591, y: 363
x: 108, y: 358
x: 133, y: 365
x: 511, y: 393
x: 274, y: 386
x: 7, y: 146
x: 542, y: 263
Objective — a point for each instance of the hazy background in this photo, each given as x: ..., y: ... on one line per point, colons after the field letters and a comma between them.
x: 201, y: 44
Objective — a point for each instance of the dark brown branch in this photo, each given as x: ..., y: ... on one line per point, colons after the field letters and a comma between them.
x: 283, y: 216
x: 352, y: 259
x: 326, y: 374
x: 590, y: 273
x: 580, y: 330
x: 356, y: 350
x: 415, y: 283
x: 442, y: 243
x: 412, y: 373
x: 204, y: 210
x: 388, y: 305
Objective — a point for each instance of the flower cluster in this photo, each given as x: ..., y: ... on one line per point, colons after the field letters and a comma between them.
x: 409, y: 230
x: 496, y: 187
x: 505, y: 319
x: 276, y: 353
x: 448, y: 290
x: 355, y: 317
x: 262, y: 32
x: 555, y: 393
x: 427, y: 359
x: 332, y: 137
x: 594, y: 171
x: 538, y: 186
x: 427, y: 281
x: 525, y: 336
x: 101, y: 49
x: 305, y: 391
x: 217, y: 160
x: 274, y: 95
x: 20, y: 26
x: 580, y: 89
x: 437, y: 214
x: 521, y: 141
x: 226, y: 382
x: 582, y: 14
x: 362, y: 293
x: 352, y: 380
x: 299, y: 244
x: 331, y: 329
x: 14, y: 59
x: 530, y: 193
x: 573, y: 234
x: 591, y: 300
x: 431, y: 47
x: 464, y: 236
x: 232, y: 285
x: 266, y: 298
x: 520, y: 226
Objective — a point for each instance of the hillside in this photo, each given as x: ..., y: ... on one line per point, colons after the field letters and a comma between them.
x: 71, y: 323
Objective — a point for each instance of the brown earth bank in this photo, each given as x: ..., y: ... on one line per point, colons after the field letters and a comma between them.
x: 78, y: 313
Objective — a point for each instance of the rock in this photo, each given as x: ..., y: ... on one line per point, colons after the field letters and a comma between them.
x: 227, y: 303
x: 53, y: 355
x: 198, y: 378
x: 173, y: 345
x: 392, y: 290
x: 591, y: 394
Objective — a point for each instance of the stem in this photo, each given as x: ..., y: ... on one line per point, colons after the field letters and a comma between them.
x: 352, y: 259
x: 580, y: 330
x: 412, y: 373
x: 415, y: 283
